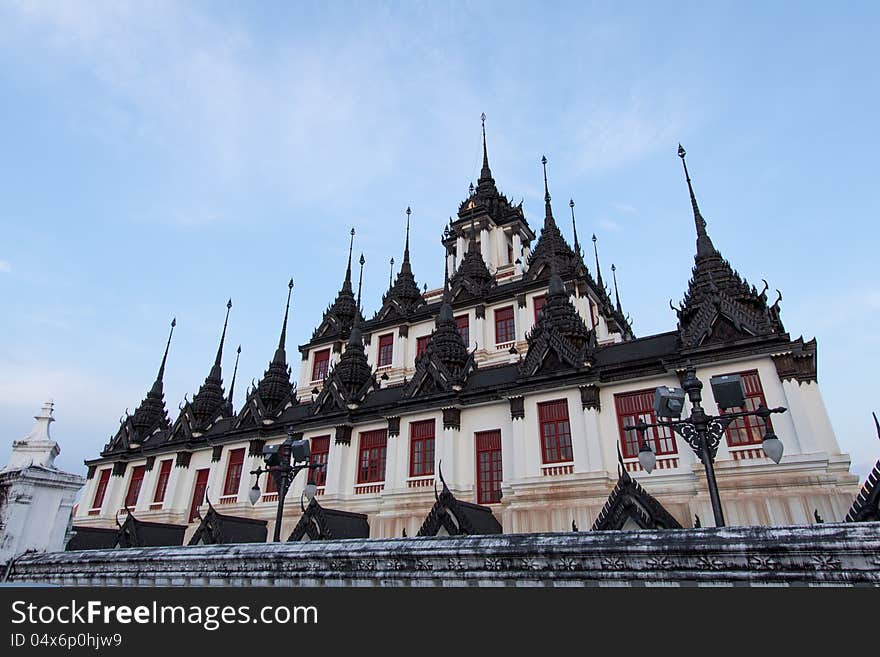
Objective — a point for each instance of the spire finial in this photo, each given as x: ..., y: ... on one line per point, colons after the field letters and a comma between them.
x: 360, y: 279
x: 485, y: 173
x: 577, y: 245
x: 234, y: 372
x: 157, y: 386
x: 279, y: 354
x: 598, y: 268
x: 391, y: 275
x: 406, y: 247
x: 616, y: 294
x: 704, y: 244
x: 348, y: 268
x: 548, y: 211
x: 223, y: 335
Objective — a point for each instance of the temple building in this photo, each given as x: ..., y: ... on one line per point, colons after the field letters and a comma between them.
x: 518, y: 374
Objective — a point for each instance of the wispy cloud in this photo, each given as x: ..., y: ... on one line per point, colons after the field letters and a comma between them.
x: 5, y: 266
x: 609, y: 224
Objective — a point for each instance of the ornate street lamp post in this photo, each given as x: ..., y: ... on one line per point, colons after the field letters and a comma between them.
x: 283, y: 463
x: 702, y: 431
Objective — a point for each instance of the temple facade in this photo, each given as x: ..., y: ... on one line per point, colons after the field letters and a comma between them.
x: 514, y: 379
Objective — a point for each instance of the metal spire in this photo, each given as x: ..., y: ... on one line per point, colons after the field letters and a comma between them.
x: 157, y: 386
x: 348, y: 268
x: 391, y: 275
x: 616, y: 295
x: 234, y: 372
x: 360, y: 280
x: 485, y: 173
x: 280, y: 356
x: 577, y: 246
x: 704, y: 244
x: 406, y: 247
x: 548, y: 211
x: 222, y: 337
x: 598, y: 268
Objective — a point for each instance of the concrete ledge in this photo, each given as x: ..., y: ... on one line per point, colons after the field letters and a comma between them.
x: 826, y: 554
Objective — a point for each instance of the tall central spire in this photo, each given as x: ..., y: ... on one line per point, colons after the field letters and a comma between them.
x: 157, y: 385
x: 548, y: 211
x: 704, y: 244
x: 485, y: 173
x: 222, y: 338
x: 405, y: 264
x: 347, y: 283
x: 280, y: 355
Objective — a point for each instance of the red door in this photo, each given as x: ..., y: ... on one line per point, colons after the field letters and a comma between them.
x: 198, y: 492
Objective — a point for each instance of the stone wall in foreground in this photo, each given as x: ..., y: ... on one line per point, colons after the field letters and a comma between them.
x: 825, y: 554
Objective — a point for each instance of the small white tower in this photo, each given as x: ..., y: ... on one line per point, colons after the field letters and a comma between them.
x: 36, y: 498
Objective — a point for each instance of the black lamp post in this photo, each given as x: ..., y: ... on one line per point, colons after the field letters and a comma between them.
x: 702, y: 431
x: 284, y: 462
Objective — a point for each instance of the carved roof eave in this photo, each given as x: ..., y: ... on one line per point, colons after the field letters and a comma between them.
x: 430, y: 366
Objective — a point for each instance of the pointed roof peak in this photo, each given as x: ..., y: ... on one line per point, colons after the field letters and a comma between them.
x: 406, y: 245
x: 348, y: 267
x: 234, y: 373
x: 548, y: 210
x: 157, y: 385
x: 280, y: 355
x: 360, y: 280
x: 704, y: 244
x: 485, y: 172
x: 222, y: 337
x: 598, y: 268
x: 616, y: 294
x: 577, y: 245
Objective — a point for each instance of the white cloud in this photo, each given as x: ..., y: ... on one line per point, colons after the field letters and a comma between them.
x: 609, y: 224
x: 5, y: 266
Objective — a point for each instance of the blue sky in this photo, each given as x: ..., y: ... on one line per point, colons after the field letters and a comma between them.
x: 158, y: 158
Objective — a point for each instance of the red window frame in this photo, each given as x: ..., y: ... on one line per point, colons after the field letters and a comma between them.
x: 386, y: 349
x: 488, y: 462
x: 555, y: 430
x: 421, y: 448
x: 538, y: 304
x: 462, y: 323
x: 320, y: 452
x: 422, y: 344
x: 505, y: 326
x: 199, y: 488
x: 101, y: 488
x: 134, y: 486
x: 321, y: 365
x: 271, y: 484
x: 162, y: 481
x: 748, y: 430
x: 371, y: 456
x: 233, y: 472
x: 639, y: 405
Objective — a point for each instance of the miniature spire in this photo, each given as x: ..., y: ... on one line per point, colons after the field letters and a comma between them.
x: 598, y: 269
x: 391, y: 275
x: 616, y: 295
x: 234, y: 372
x: 157, y: 385
x: 280, y: 356
x: 704, y: 244
x: 360, y: 280
x: 548, y: 211
x: 577, y: 246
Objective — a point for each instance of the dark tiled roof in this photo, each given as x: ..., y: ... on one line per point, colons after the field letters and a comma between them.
x: 458, y: 518
x: 319, y: 524
x: 138, y: 533
x: 92, y: 538
x: 216, y: 528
